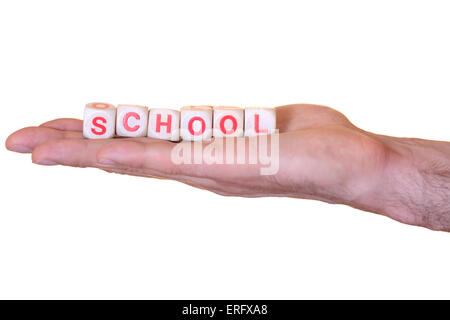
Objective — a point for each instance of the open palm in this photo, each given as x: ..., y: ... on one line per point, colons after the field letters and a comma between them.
x: 322, y: 156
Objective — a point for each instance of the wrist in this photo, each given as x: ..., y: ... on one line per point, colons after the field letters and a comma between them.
x: 414, y: 187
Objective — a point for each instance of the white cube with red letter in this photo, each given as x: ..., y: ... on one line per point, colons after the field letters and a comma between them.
x: 164, y: 124
x: 132, y: 121
x: 228, y: 122
x: 99, y: 120
x: 196, y: 123
x: 259, y: 120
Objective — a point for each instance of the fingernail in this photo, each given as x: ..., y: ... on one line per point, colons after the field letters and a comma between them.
x: 20, y: 148
x: 106, y: 161
x: 45, y: 162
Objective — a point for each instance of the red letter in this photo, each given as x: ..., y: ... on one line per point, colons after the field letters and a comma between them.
x: 257, y: 129
x: 191, y: 126
x: 159, y: 123
x: 98, y: 125
x: 222, y: 124
x: 127, y: 117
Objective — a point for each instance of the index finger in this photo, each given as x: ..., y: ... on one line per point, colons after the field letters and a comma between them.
x: 64, y: 124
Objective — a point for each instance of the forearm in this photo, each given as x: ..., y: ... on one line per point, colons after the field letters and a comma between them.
x: 415, y: 184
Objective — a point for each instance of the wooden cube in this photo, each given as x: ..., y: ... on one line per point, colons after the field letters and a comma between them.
x: 164, y: 124
x: 196, y: 123
x: 132, y: 121
x: 99, y: 120
x: 228, y: 122
x: 259, y: 120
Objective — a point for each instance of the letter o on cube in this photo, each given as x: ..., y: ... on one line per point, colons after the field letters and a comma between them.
x: 228, y: 122
x: 132, y: 121
x: 99, y: 120
x: 196, y: 123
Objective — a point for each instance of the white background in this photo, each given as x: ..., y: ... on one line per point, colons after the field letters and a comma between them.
x: 82, y: 233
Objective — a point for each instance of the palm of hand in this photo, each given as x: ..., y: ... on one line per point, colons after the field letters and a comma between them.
x: 322, y: 156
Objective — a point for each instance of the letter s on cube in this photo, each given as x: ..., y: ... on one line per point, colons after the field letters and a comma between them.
x: 99, y: 120
x: 132, y: 121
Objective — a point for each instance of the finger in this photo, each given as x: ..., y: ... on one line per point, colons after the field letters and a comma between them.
x: 26, y: 139
x: 158, y: 158
x: 77, y: 152
x: 83, y: 153
x: 200, y: 183
x: 69, y: 152
x: 65, y: 124
x: 133, y: 172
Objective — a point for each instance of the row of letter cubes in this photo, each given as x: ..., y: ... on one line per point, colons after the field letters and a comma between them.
x: 103, y: 120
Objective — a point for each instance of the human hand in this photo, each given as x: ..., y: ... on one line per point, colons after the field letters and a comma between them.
x: 322, y: 156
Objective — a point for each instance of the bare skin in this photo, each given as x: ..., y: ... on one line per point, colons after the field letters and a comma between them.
x: 323, y: 156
